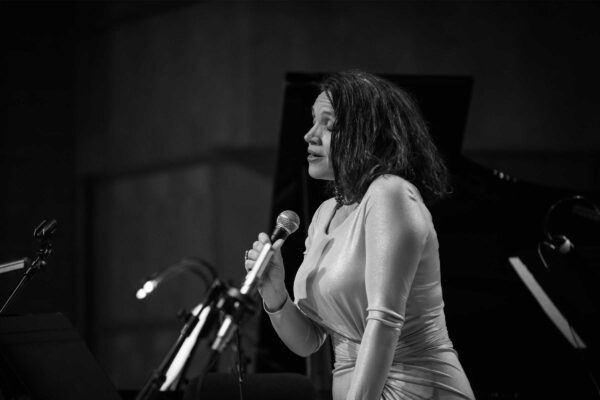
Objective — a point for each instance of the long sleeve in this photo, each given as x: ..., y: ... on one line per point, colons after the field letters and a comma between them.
x: 300, y: 334
x: 395, y: 232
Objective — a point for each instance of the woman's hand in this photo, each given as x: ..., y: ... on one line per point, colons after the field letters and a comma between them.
x: 272, y: 282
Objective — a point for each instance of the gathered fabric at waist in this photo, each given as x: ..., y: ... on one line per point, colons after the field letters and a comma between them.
x: 418, y: 371
x: 414, y: 347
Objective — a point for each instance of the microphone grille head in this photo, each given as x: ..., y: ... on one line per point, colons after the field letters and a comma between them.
x: 289, y: 221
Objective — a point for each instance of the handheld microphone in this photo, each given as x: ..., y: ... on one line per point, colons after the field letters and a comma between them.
x: 287, y: 223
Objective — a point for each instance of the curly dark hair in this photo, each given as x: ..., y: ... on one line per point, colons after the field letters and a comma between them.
x: 379, y: 130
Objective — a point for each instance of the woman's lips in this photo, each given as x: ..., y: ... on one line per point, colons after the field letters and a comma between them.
x: 313, y: 157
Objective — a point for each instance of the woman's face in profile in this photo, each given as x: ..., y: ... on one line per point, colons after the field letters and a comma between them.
x: 319, y: 139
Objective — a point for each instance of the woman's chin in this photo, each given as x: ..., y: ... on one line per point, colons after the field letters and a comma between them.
x: 318, y: 173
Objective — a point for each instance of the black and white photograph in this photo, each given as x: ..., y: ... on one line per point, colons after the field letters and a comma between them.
x: 299, y: 200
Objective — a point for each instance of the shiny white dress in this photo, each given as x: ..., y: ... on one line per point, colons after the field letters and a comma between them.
x: 345, y: 281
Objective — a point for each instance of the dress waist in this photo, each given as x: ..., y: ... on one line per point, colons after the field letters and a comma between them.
x: 409, y: 350
x: 429, y: 369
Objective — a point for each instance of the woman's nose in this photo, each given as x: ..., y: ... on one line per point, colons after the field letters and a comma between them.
x: 311, y: 135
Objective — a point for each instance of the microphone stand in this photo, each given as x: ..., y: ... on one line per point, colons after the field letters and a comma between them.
x: 207, y: 316
x: 219, y: 300
x: 43, y: 233
x: 230, y: 303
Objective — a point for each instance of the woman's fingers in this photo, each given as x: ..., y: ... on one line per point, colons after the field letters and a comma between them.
x: 257, y: 246
x: 252, y: 254
x: 264, y: 238
x: 278, y: 243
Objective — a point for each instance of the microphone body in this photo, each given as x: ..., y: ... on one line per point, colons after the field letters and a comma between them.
x: 257, y: 270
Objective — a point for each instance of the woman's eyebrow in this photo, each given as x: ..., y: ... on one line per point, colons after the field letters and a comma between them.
x: 324, y: 113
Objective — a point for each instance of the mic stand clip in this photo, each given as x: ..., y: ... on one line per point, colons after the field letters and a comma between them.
x: 43, y: 232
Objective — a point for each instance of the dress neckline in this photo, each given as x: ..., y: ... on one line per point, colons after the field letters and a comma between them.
x: 327, y: 228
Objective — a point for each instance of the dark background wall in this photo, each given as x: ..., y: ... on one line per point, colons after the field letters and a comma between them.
x: 37, y: 147
x: 149, y: 130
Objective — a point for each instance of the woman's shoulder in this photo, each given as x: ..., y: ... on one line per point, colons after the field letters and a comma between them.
x: 393, y: 186
x: 391, y: 197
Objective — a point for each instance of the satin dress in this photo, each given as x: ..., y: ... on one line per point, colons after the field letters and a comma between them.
x: 339, y: 287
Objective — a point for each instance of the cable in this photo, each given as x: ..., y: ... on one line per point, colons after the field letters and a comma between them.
x: 240, y: 368
x: 542, y: 258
